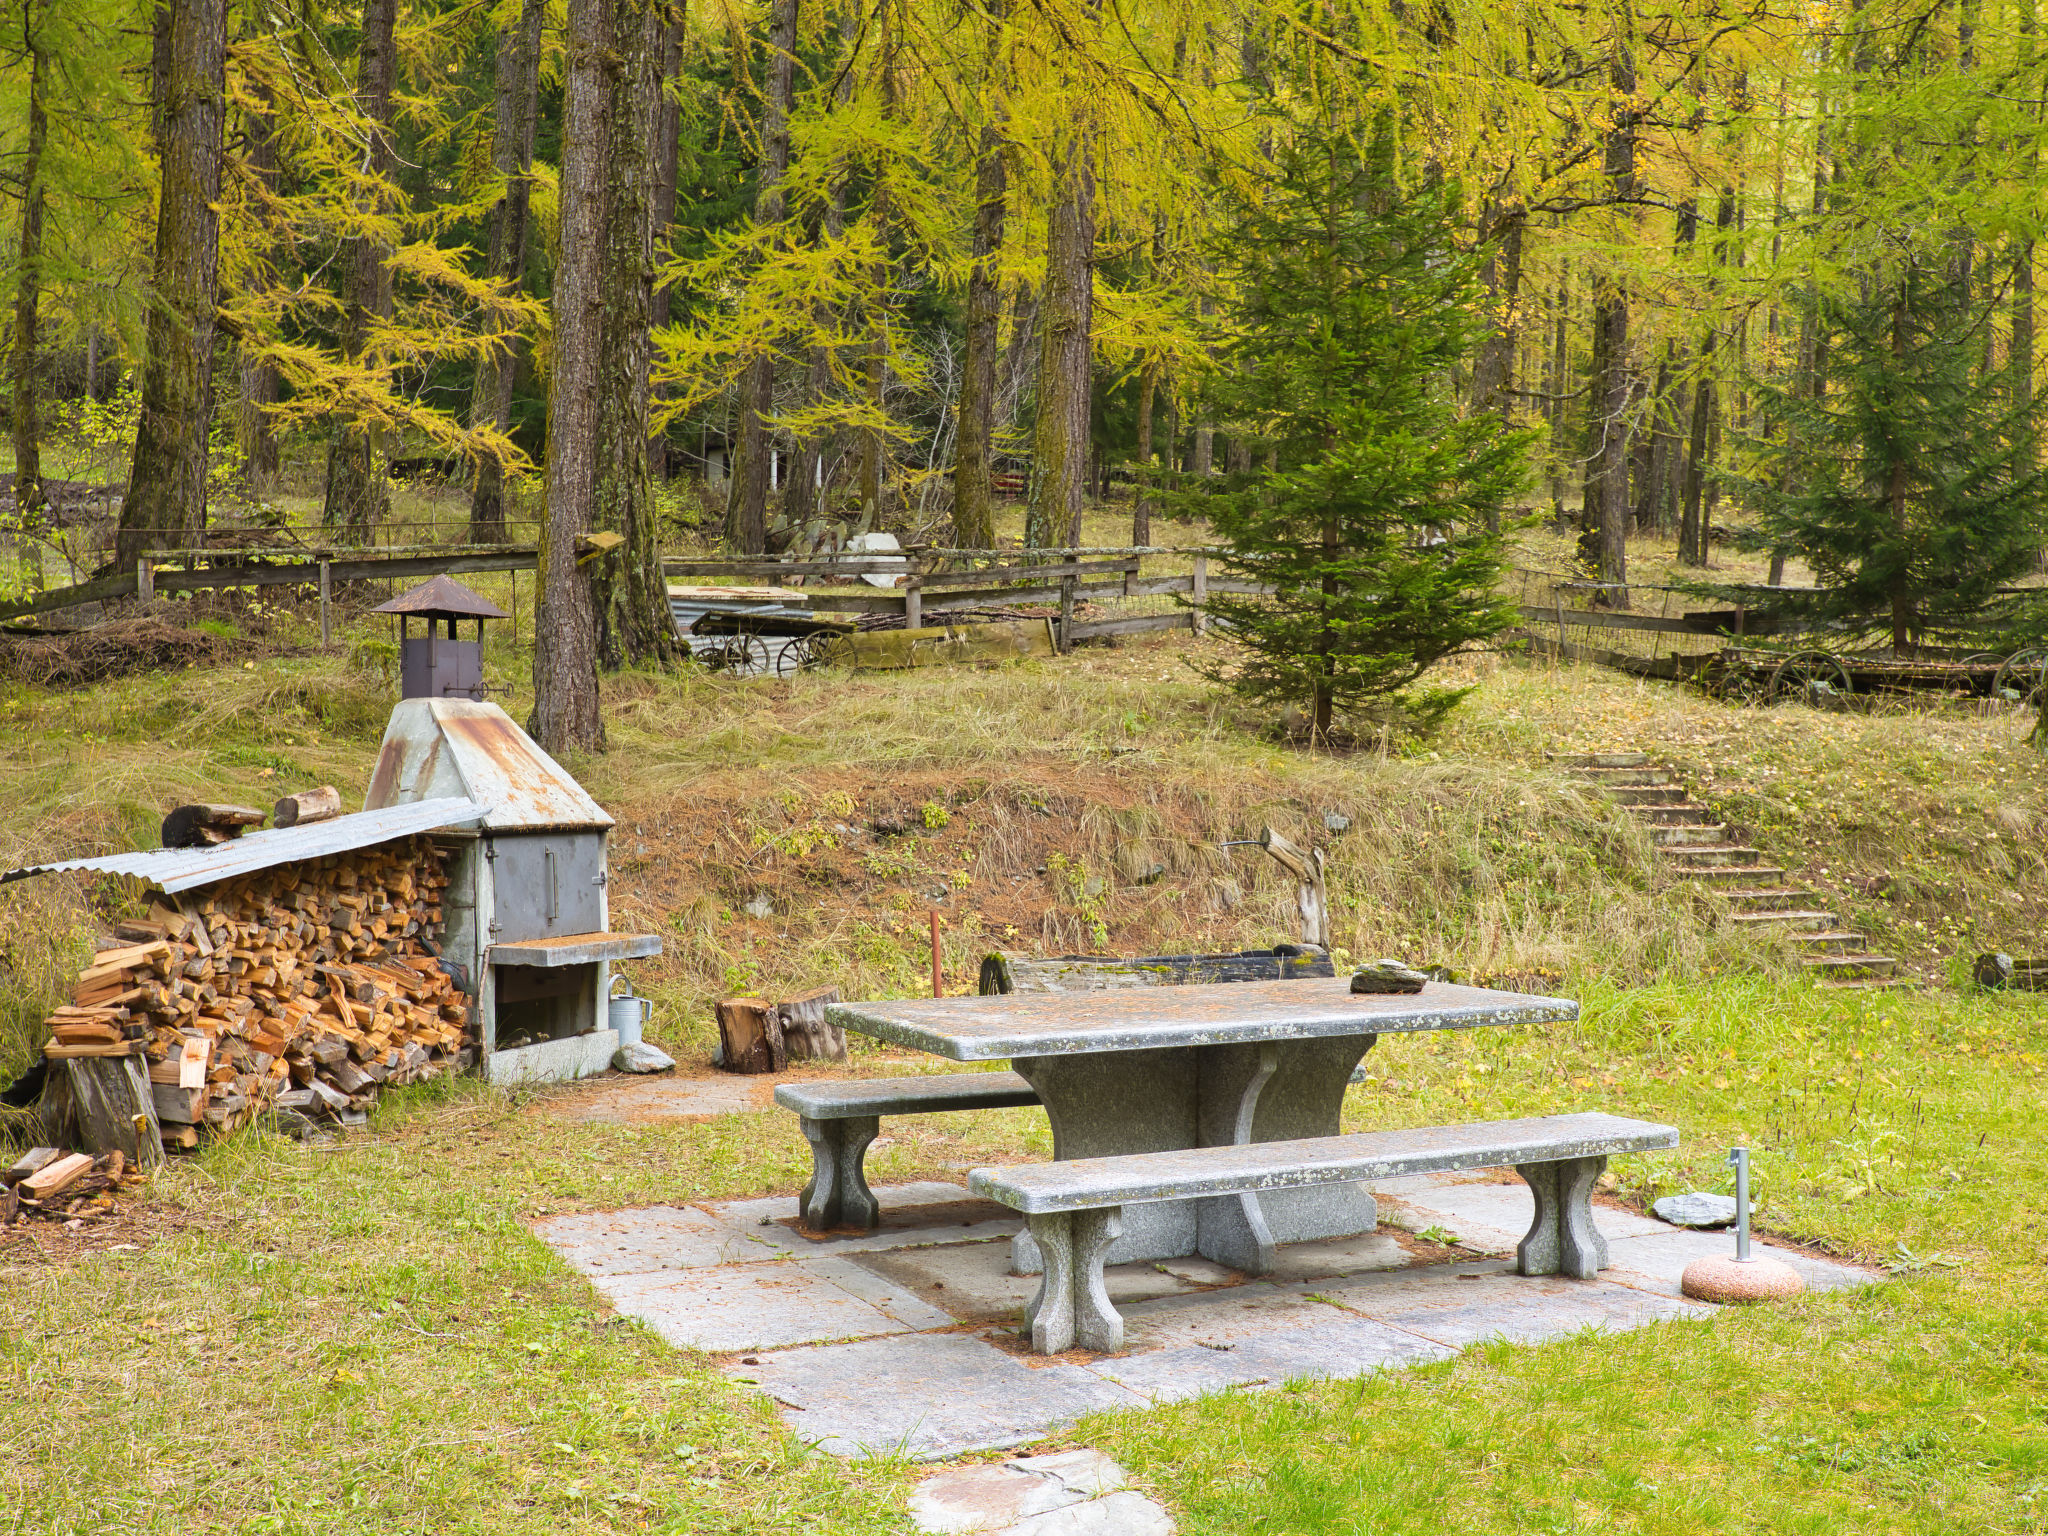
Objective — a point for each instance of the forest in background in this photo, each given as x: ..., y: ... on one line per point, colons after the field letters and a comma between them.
x: 875, y: 256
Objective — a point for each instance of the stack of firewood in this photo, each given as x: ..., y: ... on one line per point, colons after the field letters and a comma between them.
x: 299, y: 988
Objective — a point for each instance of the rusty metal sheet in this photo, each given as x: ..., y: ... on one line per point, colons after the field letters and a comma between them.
x: 435, y: 747
x: 182, y: 869
x: 1159, y: 1018
x: 443, y: 598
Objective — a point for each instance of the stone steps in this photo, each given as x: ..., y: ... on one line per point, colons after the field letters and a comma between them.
x: 1688, y: 834
x: 1693, y: 844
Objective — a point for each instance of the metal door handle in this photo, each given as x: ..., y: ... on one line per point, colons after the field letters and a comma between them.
x: 554, y: 899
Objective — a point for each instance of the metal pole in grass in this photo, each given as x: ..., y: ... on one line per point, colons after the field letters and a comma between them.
x: 938, y: 972
x: 1747, y: 1276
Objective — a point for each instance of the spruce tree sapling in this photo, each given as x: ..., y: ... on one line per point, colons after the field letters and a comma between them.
x: 1372, y: 522
x: 1912, y: 487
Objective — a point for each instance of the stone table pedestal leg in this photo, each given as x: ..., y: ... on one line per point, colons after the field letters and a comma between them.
x: 1562, y: 1239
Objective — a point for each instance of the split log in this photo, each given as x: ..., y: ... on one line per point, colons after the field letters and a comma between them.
x: 308, y: 805
x: 116, y: 1107
x: 57, y: 1177
x: 189, y: 826
x: 806, y: 1036
x: 750, y: 1035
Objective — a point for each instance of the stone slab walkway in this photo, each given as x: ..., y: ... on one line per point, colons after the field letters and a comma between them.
x: 902, y: 1341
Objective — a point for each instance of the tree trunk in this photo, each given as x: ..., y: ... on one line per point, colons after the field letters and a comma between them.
x: 974, y: 514
x: 1141, y: 504
x: 28, y: 284
x: 516, y: 116
x: 261, y: 387
x: 1066, y: 362
x: 757, y: 384
x: 566, y: 715
x: 668, y: 127
x: 1612, y: 384
x: 1493, y: 373
x: 1556, y: 382
x: 166, y: 500
x: 627, y: 586
x: 358, y: 499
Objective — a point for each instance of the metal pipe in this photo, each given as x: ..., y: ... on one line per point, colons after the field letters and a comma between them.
x: 1740, y: 1158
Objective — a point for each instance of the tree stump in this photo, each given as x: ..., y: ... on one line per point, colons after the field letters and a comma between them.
x: 750, y: 1033
x: 805, y: 1034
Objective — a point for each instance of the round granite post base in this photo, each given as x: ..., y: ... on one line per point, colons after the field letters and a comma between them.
x: 1730, y: 1280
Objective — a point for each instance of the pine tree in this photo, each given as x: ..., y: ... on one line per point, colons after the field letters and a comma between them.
x: 1911, y: 486
x: 1373, y: 524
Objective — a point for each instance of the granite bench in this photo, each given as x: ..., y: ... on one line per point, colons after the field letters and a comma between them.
x: 1074, y: 1208
x: 840, y: 1119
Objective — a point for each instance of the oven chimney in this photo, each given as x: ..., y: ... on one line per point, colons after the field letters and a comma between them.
x: 437, y: 665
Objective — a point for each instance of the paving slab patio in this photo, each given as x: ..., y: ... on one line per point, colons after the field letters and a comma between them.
x: 901, y: 1341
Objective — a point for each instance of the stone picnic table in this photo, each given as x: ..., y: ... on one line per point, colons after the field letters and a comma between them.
x: 1159, y: 1069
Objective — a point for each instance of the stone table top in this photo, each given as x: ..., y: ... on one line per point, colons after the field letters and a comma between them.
x: 1160, y: 1018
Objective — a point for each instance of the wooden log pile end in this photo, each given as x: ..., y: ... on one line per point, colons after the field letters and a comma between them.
x: 51, y: 1184
x: 297, y: 990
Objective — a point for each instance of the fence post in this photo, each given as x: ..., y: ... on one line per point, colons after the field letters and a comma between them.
x: 145, y: 581
x: 326, y: 616
x: 1066, y: 614
x: 1198, y: 594
x: 913, y: 605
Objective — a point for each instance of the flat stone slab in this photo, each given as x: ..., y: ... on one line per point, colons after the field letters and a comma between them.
x: 973, y: 1280
x: 927, y: 1395
x: 1460, y: 1305
x: 1655, y: 1261
x: 1695, y: 1210
x: 860, y: 1335
x: 1253, y: 1335
x: 995, y: 1497
x: 912, y: 1214
x: 1493, y: 1217
x: 769, y: 1306
x: 654, y: 1239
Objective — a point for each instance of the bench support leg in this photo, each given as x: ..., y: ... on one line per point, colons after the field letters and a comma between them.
x: 838, y: 1194
x: 1073, y: 1305
x: 1562, y: 1239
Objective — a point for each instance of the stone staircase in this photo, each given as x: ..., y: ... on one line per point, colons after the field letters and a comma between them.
x: 1695, y: 846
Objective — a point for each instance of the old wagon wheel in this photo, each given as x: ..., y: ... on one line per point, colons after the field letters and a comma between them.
x: 749, y: 655
x: 794, y: 657
x: 1811, y: 677
x: 831, y: 650
x: 2020, y: 676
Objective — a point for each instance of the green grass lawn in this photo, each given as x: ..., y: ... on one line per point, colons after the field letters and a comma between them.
x: 365, y: 1337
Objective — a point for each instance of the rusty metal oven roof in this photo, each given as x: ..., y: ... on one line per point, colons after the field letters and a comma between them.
x: 441, y: 747
x: 442, y: 599
x: 182, y: 869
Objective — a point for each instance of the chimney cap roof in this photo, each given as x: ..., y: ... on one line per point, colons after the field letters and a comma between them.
x: 441, y: 598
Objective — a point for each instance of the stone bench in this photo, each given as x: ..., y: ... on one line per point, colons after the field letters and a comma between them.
x: 1074, y: 1208
x: 840, y: 1119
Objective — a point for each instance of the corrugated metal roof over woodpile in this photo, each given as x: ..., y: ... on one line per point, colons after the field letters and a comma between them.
x: 442, y: 598
x: 442, y: 747
x: 182, y: 869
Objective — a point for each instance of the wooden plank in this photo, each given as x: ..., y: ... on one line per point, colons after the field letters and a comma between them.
x: 101, y: 590
x: 1134, y: 624
x: 30, y: 1161
x: 895, y: 649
